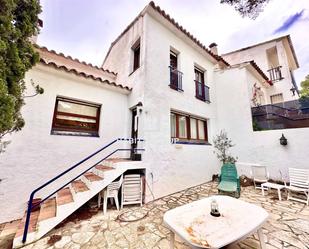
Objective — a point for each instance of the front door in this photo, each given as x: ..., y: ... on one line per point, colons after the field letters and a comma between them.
x: 134, y: 133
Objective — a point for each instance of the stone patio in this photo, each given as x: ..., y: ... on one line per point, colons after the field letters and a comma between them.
x: 287, y: 227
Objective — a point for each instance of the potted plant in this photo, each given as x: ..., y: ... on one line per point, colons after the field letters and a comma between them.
x: 222, y: 145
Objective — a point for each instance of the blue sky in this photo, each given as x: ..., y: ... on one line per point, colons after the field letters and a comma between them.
x: 85, y: 29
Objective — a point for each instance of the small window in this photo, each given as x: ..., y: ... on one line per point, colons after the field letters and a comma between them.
x: 73, y: 117
x: 188, y: 128
x: 201, y: 89
x: 136, y: 56
x: 175, y: 74
x: 277, y: 98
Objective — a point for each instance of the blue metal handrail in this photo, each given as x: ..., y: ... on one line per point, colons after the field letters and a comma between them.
x: 30, y: 206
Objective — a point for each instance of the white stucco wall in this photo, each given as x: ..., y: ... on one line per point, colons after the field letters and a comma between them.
x: 174, y: 167
x: 259, y: 55
x: 35, y: 156
x: 255, y: 147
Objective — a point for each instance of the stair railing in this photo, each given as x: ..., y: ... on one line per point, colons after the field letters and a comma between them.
x: 30, y: 206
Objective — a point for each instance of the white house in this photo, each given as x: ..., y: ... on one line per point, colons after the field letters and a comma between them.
x: 159, y: 83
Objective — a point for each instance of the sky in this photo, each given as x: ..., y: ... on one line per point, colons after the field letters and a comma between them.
x: 85, y: 29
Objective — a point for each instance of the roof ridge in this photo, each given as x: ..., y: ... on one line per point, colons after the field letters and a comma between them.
x: 72, y: 59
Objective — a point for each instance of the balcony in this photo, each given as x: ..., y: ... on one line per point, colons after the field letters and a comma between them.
x: 202, y: 91
x: 175, y: 79
x: 275, y: 74
x: 285, y: 115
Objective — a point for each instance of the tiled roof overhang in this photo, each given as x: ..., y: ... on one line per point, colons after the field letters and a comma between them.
x: 61, y: 62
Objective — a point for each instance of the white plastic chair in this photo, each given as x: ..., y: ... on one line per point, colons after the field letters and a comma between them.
x: 132, y: 190
x: 259, y: 175
x: 111, y: 191
x: 299, y: 183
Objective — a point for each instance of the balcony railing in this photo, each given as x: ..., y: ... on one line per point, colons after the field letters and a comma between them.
x: 202, y: 91
x: 285, y: 115
x: 275, y: 73
x: 175, y: 79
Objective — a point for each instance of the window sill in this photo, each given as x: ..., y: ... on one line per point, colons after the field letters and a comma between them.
x: 134, y: 71
x: 204, y: 100
x: 193, y: 142
x: 176, y: 89
x: 71, y: 133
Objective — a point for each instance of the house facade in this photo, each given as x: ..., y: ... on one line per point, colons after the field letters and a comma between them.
x: 158, y: 83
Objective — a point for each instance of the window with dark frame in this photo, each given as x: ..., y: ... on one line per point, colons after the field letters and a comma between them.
x: 175, y: 75
x: 74, y: 117
x: 188, y: 128
x: 136, y: 56
x: 201, y: 89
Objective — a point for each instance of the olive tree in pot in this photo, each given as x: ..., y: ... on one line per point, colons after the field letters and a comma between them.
x: 222, y: 145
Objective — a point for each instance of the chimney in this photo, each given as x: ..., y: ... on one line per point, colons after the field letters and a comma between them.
x: 213, y: 48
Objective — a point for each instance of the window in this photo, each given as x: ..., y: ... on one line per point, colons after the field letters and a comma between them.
x: 175, y: 75
x: 188, y: 128
x: 75, y: 117
x: 136, y: 55
x: 276, y: 98
x: 201, y: 90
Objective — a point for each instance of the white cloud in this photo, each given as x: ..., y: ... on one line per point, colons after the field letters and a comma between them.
x: 86, y: 30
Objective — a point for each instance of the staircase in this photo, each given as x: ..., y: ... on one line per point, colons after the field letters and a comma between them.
x: 40, y: 219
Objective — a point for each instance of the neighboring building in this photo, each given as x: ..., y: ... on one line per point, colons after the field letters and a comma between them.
x: 159, y: 83
x: 277, y: 58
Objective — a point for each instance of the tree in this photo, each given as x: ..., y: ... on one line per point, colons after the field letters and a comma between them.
x: 18, y: 23
x: 247, y: 8
x: 304, y: 91
x: 222, y: 144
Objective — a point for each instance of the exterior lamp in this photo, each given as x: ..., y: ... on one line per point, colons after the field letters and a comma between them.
x: 283, y: 140
x: 293, y: 90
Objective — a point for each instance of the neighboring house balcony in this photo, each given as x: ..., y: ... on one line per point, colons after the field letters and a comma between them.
x: 285, y: 115
x: 275, y: 73
x: 202, y: 91
x: 175, y: 79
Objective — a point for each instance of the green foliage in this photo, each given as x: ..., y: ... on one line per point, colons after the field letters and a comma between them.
x: 304, y: 91
x: 247, y: 8
x: 18, y: 22
x: 256, y: 126
x: 222, y: 145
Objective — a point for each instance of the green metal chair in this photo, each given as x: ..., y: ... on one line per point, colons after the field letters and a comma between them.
x: 229, y: 181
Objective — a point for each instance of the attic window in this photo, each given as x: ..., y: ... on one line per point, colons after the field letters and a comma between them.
x: 136, y: 55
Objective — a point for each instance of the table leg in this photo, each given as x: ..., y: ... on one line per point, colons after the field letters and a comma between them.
x: 261, y: 237
x: 263, y: 191
x: 172, y: 240
x: 279, y: 194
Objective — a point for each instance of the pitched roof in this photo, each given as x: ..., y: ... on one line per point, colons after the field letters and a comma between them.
x: 176, y: 24
x: 260, y: 71
x: 83, y: 69
x: 268, y: 41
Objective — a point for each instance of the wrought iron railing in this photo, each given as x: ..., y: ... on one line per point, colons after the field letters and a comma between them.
x: 202, y: 91
x: 275, y: 73
x: 175, y: 79
x: 31, y: 206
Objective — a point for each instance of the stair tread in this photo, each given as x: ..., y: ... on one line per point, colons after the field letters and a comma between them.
x: 104, y: 168
x: 115, y: 160
x: 79, y: 186
x: 64, y: 196
x: 48, y: 209
x: 92, y: 177
x: 32, y: 224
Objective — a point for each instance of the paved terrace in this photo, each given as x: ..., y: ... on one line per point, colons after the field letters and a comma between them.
x: 287, y: 227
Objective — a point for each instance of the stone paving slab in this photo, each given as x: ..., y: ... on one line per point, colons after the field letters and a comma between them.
x: 287, y: 227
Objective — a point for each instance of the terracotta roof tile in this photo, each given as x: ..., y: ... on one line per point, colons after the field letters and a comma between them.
x: 83, y: 69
